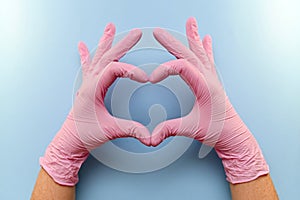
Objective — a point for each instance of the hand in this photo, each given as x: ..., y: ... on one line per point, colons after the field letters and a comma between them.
x: 89, y: 124
x: 213, y: 119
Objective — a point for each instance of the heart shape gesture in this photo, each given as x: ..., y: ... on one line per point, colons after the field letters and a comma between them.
x: 212, y: 120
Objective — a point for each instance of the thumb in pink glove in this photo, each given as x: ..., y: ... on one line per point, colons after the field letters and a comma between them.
x: 213, y: 119
x: 89, y: 124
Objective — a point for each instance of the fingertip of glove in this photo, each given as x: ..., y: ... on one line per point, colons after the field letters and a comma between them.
x: 81, y: 45
x: 139, y: 76
x: 136, y: 32
x: 145, y: 79
x: 142, y: 79
x: 151, y: 79
x: 110, y: 29
x: 157, y: 75
x: 154, y: 142
x: 192, y: 21
x: 209, y: 38
x: 143, y: 135
x: 157, y: 31
x: 146, y: 141
x: 83, y: 50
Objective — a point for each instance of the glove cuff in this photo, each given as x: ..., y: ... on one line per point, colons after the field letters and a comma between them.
x: 243, y: 163
x: 64, y: 155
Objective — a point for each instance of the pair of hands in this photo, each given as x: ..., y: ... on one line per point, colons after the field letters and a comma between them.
x: 212, y: 120
x: 96, y: 126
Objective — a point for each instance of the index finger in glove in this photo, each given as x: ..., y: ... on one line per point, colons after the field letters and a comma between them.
x: 175, y: 47
x: 127, y: 128
x: 122, y: 47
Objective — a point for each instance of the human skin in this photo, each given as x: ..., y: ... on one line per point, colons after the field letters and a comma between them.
x: 47, y: 189
x: 261, y: 188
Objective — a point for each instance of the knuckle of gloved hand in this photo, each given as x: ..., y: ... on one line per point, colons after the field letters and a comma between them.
x: 194, y: 61
x: 128, y: 74
x: 108, y: 58
x: 172, y: 70
x: 132, y: 131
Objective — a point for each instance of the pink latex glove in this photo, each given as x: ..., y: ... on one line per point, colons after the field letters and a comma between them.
x: 89, y: 124
x: 213, y: 119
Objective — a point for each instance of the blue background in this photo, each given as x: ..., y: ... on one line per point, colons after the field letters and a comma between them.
x: 256, y: 45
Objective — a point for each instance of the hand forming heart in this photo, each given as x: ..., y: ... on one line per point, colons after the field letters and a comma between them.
x: 213, y: 119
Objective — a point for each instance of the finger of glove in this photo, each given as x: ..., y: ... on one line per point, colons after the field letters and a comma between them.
x: 207, y: 44
x: 84, y: 57
x: 127, y: 128
x: 123, y: 70
x: 181, y: 67
x: 174, y: 46
x: 122, y: 47
x: 174, y: 127
x: 105, y: 43
x: 194, y: 40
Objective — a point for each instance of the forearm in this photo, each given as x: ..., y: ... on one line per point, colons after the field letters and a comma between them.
x: 45, y: 188
x: 261, y: 188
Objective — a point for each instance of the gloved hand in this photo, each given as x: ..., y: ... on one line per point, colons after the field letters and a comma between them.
x: 213, y: 119
x: 89, y: 124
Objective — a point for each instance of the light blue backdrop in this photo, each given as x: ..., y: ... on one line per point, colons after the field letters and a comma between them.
x: 256, y: 46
